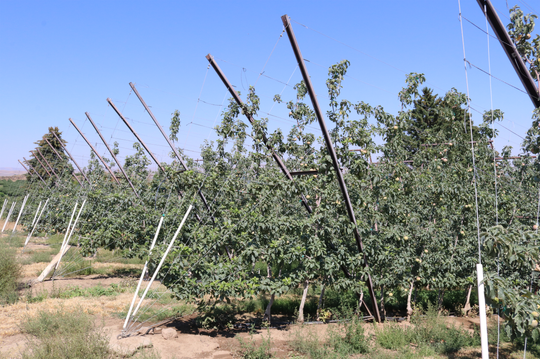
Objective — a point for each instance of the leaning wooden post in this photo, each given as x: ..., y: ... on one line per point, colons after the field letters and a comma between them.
x: 41, y: 163
x: 47, y: 162
x: 171, y: 145
x: 35, y: 215
x: 112, y: 154
x: 333, y: 156
x: 70, y: 156
x: 238, y: 100
x: 93, y: 149
x: 135, y: 134
x: 32, y: 168
x: 61, y: 159
x: 66, y: 244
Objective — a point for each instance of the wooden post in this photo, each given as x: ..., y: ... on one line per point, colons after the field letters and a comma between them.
x: 47, y: 162
x: 332, y: 153
x: 236, y: 97
x: 135, y: 134
x: 112, y: 154
x: 61, y: 159
x: 41, y: 163
x: 41, y: 178
x: 70, y: 156
x: 171, y: 145
x: 93, y: 149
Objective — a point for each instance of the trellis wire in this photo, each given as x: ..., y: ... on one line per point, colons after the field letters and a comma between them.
x: 479, y: 269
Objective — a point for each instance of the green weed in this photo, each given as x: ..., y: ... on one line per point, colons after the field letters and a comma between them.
x: 58, y: 334
x: 251, y: 350
x: 10, y: 273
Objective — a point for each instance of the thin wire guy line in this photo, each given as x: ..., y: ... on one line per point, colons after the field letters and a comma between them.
x: 268, y: 59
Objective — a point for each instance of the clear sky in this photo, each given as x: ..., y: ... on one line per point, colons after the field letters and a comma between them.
x: 62, y: 58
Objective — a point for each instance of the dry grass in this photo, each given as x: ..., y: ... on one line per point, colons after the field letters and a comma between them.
x: 11, y: 316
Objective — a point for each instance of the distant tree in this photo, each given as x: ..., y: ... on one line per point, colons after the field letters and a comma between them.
x: 61, y: 166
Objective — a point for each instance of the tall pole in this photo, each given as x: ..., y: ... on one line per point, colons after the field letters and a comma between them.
x: 34, y: 171
x: 61, y: 159
x: 41, y: 163
x: 112, y: 154
x: 333, y: 156
x: 173, y: 148
x: 511, y: 52
x: 48, y: 164
x: 93, y: 149
x: 278, y: 160
x: 135, y: 134
x: 70, y: 156
x: 238, y: 100
x: 158, y: 126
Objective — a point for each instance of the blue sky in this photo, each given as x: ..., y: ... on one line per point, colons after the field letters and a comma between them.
x: 62, y: 58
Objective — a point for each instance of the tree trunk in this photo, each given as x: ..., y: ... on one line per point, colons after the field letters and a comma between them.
x: 383, y: 309
x: 304, y: 296
x: 409, y: 307
x: 440, y: 302
x: 320, y: 305
x: 467, y: 306
x: 268, y: 312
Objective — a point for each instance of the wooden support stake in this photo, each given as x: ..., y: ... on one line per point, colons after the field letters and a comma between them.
x: 48, y: 164
x: 61, y: 159
x: 112, y: 154
x: 332, y: 153
x: 41, y: 163
x: 171, y: 145
x: 70, y: 156
x: 93, y: 149
x: 135, y: 134
x: 41, y: 178
x: 238, y: 100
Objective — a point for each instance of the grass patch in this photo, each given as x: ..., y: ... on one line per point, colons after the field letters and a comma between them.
x: 10, y: 273
x: 75, y: 291
x: 342, y: 341
x: 429, y: 331
x: 59, y: 334
x: 107, y: 256
x: 251, y: 350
